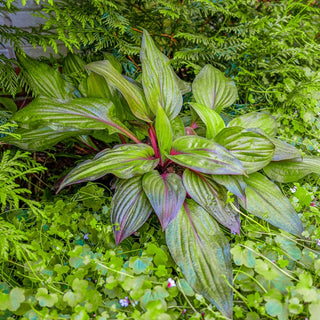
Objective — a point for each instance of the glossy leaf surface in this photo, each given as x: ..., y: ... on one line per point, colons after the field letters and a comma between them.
x: 166, y: 194
x: 258, y: 120
x: 205, y: 156
x: 283, y: 150
x: 292, y: 170
x: 177, y: 127
x: 78, y: 114
x: 159, y: 82
x: 133, y: 94
x: 43, y: 80
x: 39, y: 139
x: 265, y: 200
x: 213, y: 121
x: 211, y: 197
x: 212, y: 89
x: 164, y: 132
x: 130, y: 208
x: 124, y: 161
x: 235, y: 184
x: 202, y: 252
x: 253, y: 149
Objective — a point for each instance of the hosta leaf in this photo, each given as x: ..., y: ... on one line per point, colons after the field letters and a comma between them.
x: 73, y: 64
x: 253, y: 149
x: 43, y: 80
x: 205, y: 156
x: 164, y: 132
x: 130, y: 208
x: 124, y: 161
x: 98, y: 87
x: 235, y: 184
x: 202, y: 252
x: 177, y: 127
x: 86, y: 140
x: 213, y: 121
x: 255, y: 119
x: 283, y: 150
x: 212, y: 89
x: 211, y: 197
x: 292, y: 170
x: 133, y: 94
x: 40, y: 138
x: 265, y: 200
x: 165, y: 193
x: 78, y: 114
x: 159, y: 82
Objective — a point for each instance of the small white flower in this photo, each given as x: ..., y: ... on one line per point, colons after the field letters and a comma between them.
x: 171, y: 283
x: 318, y: 242
x: 124, y: 302
x: 134, y: 302
x: 294, y: 189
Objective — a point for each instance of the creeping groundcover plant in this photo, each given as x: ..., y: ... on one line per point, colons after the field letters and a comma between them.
x: 192, y: 170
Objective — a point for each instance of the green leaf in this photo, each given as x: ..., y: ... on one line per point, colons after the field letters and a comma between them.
x: 212, y: 89
x: 213, y: 121
x: 274, y: 307
x: 43, y: 80
x: 203, y: 254
x: 166, y: 194
x: 39, y: 139
x: 73, y: 64
x: 258, y: 120
x: 253, y: 149
x: 211, y: 197
x: 17, y: 296
x: 283, y: 150
x: 133, y: 94
x: 124, y: 161
x: 265, y: 200
x: 98, y: 87
x: 235, y: 184
x: 8, y: 104
x: 177, y: 127
x: 78, y: 114
x: 205, y: 156
x: 45, y: 299
x: 130, y: 208
x: 164, y: 133
x: 159, y: 82
x: 292, y: 170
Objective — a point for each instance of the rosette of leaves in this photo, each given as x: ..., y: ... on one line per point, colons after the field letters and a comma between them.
x: 183, y: 169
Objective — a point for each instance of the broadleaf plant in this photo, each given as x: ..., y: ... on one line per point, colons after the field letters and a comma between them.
x: 166, y: 166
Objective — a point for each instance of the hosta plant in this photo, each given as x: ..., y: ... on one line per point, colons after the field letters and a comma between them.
x: 191, y: 169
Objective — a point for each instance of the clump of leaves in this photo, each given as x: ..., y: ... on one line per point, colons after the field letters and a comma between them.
x: 191, y: 173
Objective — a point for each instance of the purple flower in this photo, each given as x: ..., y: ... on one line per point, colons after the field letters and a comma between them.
x: 124, y: 302
x: 312, y: 204
x: 86, y: 236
